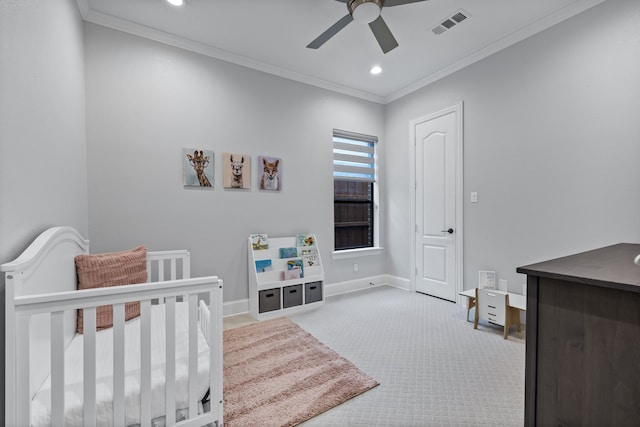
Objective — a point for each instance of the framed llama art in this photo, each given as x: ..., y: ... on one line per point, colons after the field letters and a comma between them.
x: 236, y: 170
x: 198, y: 167
x: 270, y: 172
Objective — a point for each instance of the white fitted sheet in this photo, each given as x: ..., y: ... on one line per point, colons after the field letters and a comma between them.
x: 41, y: 404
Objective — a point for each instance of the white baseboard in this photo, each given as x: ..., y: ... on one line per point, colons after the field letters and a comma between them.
x: 353, y: 285
x: 233, y: 308
x: 365, y: 283
x: 399, y: 282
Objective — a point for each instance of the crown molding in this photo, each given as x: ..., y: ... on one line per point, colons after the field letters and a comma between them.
x: 119, y: 24
x: 112, y: 22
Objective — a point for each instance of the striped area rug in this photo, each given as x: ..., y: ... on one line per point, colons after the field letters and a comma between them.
x: 276, y: 374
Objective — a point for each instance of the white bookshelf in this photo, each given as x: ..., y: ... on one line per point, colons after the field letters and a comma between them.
x: 270, y: 295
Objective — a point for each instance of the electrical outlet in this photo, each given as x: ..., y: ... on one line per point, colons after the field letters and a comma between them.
x: 355, y: 268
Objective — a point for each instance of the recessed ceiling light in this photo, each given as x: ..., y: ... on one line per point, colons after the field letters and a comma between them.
x: 376, y: 69
x: 175, y: 2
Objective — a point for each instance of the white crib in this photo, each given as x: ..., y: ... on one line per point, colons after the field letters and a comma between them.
x: 41, y: 304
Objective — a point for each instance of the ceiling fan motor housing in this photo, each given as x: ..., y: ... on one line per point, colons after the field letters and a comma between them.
x: 365, y: 10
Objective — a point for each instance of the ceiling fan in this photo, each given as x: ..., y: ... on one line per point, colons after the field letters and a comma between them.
x: 367, y: 11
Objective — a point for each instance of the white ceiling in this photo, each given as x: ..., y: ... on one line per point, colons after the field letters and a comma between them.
x: 271, y: 36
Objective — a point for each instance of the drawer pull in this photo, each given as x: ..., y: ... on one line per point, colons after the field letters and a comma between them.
x: 269, y: 295
x: 293, y: 291
x: 311, y: 288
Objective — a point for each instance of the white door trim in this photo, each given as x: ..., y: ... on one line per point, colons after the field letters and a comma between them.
x: 458, y: 235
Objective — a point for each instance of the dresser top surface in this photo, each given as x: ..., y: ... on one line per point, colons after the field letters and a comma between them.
x: 611, y: 266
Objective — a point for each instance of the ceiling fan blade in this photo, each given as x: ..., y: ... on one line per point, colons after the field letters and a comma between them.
x: 330, y: 32
x: 389, y: 3
x: 383, y: 34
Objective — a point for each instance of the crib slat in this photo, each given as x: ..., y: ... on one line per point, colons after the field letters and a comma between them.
x: 57, y: 368
x: 145, y: 363
x: 170, y: 375
x: 193, y: 355
x: 161, y: 276
x: 23, y: 417
x: 118, y: 365
x: 173, y: 269
x: 214, y: 335
x: 186, y: 266
x: 160, y: 270
x: 89, y: 375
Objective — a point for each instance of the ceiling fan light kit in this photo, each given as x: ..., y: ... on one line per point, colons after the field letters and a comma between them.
x: 369, y: 12
x: 365, y: 11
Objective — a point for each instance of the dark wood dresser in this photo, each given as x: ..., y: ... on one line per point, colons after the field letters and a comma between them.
x: 583, y: 339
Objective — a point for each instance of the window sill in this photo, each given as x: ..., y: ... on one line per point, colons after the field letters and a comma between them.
x: 353, y: 253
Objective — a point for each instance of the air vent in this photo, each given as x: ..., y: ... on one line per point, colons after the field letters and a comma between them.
x: 459, y: 17
x: 450, y: 22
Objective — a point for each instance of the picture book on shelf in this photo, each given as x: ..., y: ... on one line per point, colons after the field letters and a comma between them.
x: 290, y: 274
x: 307, y: 251
x: 296, y: 264
x: 288, y: 252
x: 305, y: 240
x: 311, y: 260
x: 263, y: 265
x: 259, y: 241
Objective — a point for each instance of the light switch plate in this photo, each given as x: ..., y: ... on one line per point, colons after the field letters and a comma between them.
x: 474, y: 197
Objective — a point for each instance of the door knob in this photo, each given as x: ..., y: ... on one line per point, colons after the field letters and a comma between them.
x: 450, y: 231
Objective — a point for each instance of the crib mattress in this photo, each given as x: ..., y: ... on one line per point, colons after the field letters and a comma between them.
x: 41, y: 404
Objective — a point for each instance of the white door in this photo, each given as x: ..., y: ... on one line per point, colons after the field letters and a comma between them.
x: 438, y: 187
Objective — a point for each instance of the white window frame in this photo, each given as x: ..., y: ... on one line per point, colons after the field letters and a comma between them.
x: 376, y: 249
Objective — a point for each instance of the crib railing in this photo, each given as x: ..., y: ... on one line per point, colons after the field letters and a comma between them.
x: 175, y: 264
x: 56, y: 304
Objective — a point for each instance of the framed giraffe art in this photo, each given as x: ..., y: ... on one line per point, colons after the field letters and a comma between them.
x: 198, y: 167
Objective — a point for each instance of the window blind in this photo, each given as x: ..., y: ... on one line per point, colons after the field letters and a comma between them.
x: 354, y: 156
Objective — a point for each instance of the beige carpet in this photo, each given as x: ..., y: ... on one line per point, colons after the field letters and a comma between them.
x: 276, y: 374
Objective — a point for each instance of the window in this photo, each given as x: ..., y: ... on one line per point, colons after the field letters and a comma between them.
x: 354, y: 180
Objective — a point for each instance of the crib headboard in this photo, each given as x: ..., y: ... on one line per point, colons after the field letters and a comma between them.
x: 46, y: 266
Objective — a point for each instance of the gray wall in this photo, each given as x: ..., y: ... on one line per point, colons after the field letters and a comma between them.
x: 552, y: 146
x: 43, y: 178
x: 147, y: 101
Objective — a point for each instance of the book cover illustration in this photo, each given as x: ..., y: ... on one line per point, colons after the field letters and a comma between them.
x: 306, y: 240
x: 263, y: 265
x: 296, y: 264
x: 259, y: 241
x: 307, y: 251
x: 288, y: 252
x: 311, y: 260
x: 290, y: 274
